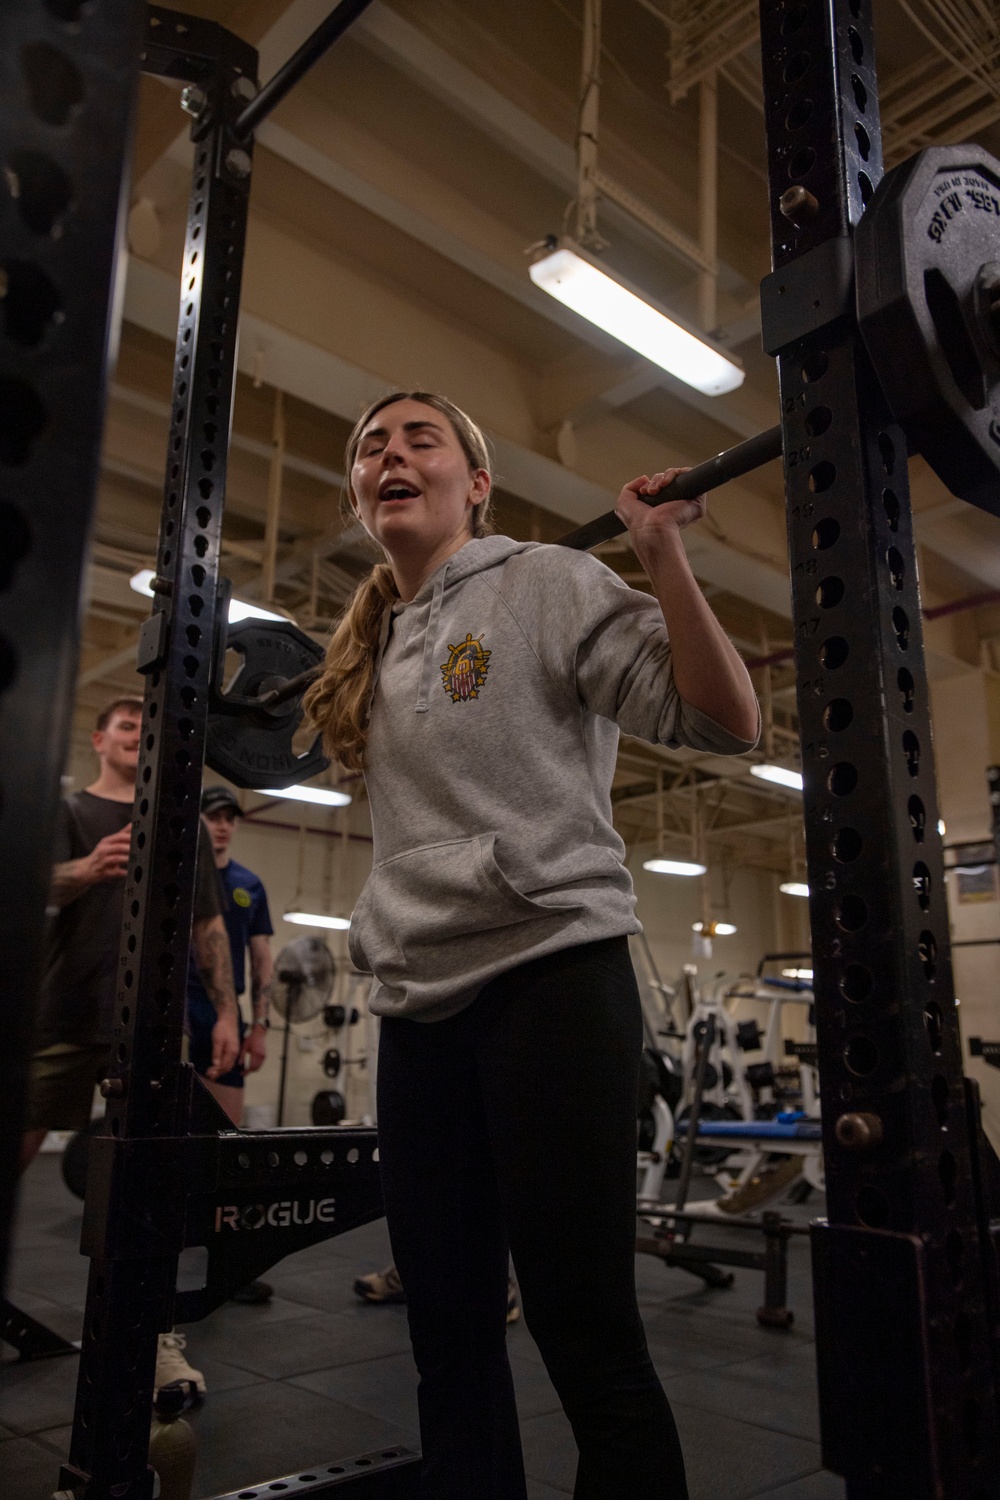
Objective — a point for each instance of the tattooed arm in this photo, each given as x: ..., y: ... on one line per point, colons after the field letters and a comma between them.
x: 261, y: 974
x: 210, y: 942
x: 108, y: 860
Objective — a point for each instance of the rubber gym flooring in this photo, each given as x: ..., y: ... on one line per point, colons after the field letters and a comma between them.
x: 316, y: 1375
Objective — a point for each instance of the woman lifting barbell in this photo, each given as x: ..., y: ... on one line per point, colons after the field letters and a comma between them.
x: 481, y: 684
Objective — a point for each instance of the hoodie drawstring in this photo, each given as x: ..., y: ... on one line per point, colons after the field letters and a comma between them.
x: 427, y: 663
x: 383, y: 637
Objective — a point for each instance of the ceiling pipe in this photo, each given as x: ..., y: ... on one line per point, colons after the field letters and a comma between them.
x: 936, y: 612
x: 958, y: 606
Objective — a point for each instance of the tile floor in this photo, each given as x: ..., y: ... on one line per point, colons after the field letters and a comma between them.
x: 316, y: 1375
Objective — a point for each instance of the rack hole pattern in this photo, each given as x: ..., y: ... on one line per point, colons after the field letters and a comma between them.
x: 883, y: 978
x: 161, y: 879
x: 272, y: 1160
x: 803, y: 154
x: 293, y: 1482
x: 59, y: 184
x: 179, y: 706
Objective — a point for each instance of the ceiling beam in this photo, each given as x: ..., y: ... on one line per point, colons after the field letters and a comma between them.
x: 745, y: 413
x: 397, y: 42
x: 960, y: 545
x: 407, y: 49
x: 156, y: 408
x: 326, y: 380
x: 108, y: 666
x: 514, y: 283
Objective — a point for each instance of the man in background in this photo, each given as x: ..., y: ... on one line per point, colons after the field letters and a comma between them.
x: 248, y: 923
x: 76, y: 1014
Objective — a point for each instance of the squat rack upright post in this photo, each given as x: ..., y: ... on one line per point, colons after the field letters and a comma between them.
x: 66, y: 153
x: 904, y: 1272
x: 130, y: 1293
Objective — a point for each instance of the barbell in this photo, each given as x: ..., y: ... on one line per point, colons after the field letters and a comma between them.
x: 252, y: 723
x: 926, y: 258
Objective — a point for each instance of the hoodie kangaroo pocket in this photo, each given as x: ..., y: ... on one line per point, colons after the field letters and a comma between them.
x: 419, y: 909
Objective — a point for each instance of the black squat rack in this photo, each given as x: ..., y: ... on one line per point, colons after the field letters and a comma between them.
x: 882, y: 313
x: 169, y: 1172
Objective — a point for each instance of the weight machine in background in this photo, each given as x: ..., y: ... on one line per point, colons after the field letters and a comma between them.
x: 905, y: 1269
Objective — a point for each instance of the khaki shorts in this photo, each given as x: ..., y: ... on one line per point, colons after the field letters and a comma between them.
x: 61, y: 1087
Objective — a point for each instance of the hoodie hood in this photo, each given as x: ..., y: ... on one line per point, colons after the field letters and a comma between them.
x: 476, y: 556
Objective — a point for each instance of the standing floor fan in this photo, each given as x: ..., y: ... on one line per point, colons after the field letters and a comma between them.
x: 303, y: 983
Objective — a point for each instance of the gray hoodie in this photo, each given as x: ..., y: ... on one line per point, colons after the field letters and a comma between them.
x: 500, y: 694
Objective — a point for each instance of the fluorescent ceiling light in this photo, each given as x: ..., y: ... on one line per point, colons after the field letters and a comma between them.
x: 321, y: 795
x: 714, y: 929
x: 239, y: 609
x: 571, y: 276
x: 673, y: 867
x: 142, y: 582
x: 794, y: 888
x: 797, y: 974
x: 780, y: 775
x: 314, y: 919
x: 941, y: 828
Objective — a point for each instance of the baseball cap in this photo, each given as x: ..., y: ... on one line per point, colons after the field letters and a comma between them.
x: 215, y: 798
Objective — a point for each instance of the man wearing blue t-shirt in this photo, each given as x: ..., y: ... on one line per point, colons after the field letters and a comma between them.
x: 248, y: 922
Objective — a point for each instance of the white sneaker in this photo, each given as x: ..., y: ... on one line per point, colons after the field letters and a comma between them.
x: 171, y: 1364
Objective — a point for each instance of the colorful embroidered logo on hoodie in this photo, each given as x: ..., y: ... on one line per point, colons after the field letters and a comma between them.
x: 465, y: 670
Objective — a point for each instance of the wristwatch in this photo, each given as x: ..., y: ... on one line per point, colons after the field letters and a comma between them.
x: 264, y: 1023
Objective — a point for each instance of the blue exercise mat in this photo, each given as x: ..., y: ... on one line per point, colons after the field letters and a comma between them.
x: 758, y: 1130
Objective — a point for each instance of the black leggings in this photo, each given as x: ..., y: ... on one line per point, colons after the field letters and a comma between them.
x: 514, y: 1122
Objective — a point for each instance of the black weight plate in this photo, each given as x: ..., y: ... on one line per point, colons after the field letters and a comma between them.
x: 328, y: 1107
x: 923, y: 309
x: 748, y: 1037
x: 646, y: 1131
x: 253, y: 747
x: 659, y: 1074
x: 760, y: 1075
x: 710, y: 1156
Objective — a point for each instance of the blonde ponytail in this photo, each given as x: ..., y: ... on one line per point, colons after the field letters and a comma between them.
x: 338, y: 702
